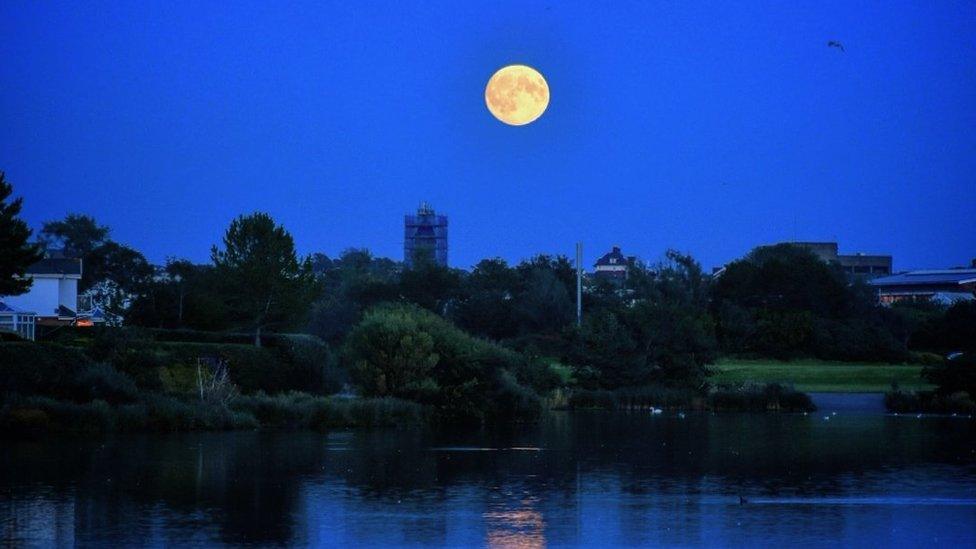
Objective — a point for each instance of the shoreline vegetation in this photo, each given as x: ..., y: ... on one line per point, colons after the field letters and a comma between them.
x: 188, y: 346
x: 153, y: 381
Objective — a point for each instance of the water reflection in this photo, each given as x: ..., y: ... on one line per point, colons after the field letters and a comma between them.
x: 575, y: 478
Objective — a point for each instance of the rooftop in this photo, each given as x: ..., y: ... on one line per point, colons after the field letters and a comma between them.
x: 56, y: 265
x: 945, y: 276
x: 614, y: 257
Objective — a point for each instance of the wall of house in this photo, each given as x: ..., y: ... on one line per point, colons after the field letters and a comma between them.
x: 43, y: 297
x: 68, y: 293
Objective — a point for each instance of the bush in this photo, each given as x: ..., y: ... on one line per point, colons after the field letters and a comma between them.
x: 286, y: 362
x: 759, y: 398
x: 301, y: 410
x: 929, y: 402
x: 60, y: 372
x: 953, y: 376
x: 301, y: 363
x: 409, y: 352
x: 593, y: 398
x: 313, y: 366
x: 35, y: 414
x: 658, y: 396
x: 390, y: 353
x: 643, y: 397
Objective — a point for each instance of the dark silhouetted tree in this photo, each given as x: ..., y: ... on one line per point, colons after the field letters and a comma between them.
x: 263, y: 281
x: 78, y: 234
x: 16, y: 252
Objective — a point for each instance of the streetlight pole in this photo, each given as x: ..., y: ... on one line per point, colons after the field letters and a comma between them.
x: 579, y: 284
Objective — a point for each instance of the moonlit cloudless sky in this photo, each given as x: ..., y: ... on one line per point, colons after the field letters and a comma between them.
x: 704, y: 127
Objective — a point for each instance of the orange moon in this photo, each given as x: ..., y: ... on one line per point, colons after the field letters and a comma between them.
x: 517, y: 95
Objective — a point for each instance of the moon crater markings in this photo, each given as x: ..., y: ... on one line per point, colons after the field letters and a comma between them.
x: 517, y: 95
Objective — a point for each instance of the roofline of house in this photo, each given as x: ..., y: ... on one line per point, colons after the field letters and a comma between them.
x: 54, y: 275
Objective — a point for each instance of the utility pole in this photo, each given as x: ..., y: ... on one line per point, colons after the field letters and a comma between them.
x: 579, y: 284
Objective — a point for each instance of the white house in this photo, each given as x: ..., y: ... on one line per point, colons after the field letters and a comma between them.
x: 53, y: 295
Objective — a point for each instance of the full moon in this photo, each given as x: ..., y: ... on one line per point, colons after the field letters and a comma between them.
x: 517, y: 95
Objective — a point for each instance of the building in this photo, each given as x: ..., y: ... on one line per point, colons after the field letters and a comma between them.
x: 22, y: 323
x: 53, y: 295
x: 856, y: 265
x: 613, y: 265
x: 425, y: 235
x: 945, y: 286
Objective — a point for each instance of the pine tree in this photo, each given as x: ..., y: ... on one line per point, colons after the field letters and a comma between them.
x: 16, y: 252
x: 264, y: 282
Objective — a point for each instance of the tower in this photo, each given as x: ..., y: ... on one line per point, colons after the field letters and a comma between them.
x: 425, y: 236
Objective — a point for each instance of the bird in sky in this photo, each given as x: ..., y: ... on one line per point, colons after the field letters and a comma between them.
x: 836, y: 44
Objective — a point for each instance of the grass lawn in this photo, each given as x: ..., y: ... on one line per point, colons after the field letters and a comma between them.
x: 821, y: 376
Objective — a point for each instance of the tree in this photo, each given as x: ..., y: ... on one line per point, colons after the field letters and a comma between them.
x: 264, y: 282
x: 78, y: 234
x: 784, y: 301
x: 183, y: 295
x: 487, y: 303
x: 545, y: 304
x: 673, y: 331
x: 429, y: 285
x: 16, y: 253
x: 660, y: 332
x: 350, y: 284
x: 114, y: 270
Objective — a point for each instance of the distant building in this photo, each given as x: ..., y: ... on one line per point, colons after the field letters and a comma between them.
x: 53, y: 295
x: 857, y: 265
x: 425, y: 235
x: 944, y: 286
x: 613, y: 265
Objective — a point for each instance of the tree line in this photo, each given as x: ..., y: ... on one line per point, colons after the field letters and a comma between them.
x: 664, y: 324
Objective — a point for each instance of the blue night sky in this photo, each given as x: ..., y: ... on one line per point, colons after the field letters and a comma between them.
x: 706, y: 128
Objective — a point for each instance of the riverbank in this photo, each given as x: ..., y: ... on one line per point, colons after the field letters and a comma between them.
x: 746, y: 397
x: 29, y: 416
x: 822, y: 376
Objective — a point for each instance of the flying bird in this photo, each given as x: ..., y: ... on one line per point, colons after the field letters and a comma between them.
x: 836, y: 44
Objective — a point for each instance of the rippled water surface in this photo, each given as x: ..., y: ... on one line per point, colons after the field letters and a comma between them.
x: 576, y: 478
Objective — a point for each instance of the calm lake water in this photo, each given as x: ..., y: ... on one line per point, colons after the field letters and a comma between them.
x: 575, y: 478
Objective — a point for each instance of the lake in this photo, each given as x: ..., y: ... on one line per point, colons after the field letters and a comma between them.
x: 596, y: 478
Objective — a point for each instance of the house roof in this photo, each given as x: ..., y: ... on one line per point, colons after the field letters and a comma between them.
x: 614, y: 254
x: 915, y: 278
x: 4, y: 308
x: 56, y: 266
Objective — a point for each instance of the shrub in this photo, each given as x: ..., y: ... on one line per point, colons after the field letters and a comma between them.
x: 659, y: 396
x: 313, y: 367
x: 389, y: 352
x: 751, y: 397
x: 60, y: 372
x: 45, y: 413
x: 953, y: 376
x: 409, y: 352
x: 642, y: 397
x: 929, y: 402
x: 594, y: 398
x: 301, y: 410
x: 102, y: 381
